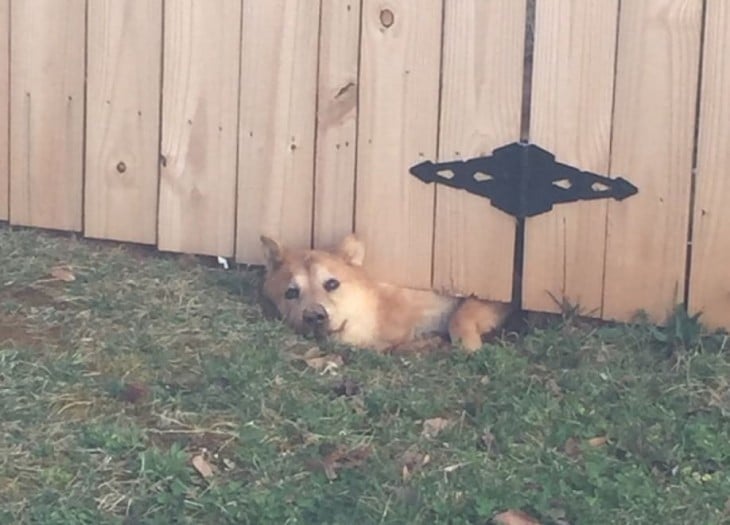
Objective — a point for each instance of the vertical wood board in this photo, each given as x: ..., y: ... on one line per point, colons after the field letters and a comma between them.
x: 397, y: 128
x: 334, y: 188
x: 4, y: 108
x: 123, y: 119
x: 653, y: 131
x: 277, y: 125
x: 46, y: 113
x: 199, y: 126
x: 571, y: 112
x: 709, y: 286
x: 481, y: 106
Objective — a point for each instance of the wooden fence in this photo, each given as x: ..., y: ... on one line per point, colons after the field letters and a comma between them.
x: 196, y: 125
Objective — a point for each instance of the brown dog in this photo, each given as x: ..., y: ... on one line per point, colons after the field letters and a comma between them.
x: 329, y: 294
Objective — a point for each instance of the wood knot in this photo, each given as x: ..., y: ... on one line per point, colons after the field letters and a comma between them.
x: 121, y: 167
x: 387, y: 18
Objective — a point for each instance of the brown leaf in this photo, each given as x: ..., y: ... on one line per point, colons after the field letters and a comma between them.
x: 432, y: 427
x: 341, y: 458
x: 63, y: 273
x: 405, y: 473
x: 347, y: 387
x: 488, y: 443
x: 412, y: 460
x: 312, y: 352
x: 133, y: 392
x: 326, y: 363
x: 572, y: 447
x: 553, y: 387
x: 514, y: 517
x: 202, y: 466
x: 598, y: 441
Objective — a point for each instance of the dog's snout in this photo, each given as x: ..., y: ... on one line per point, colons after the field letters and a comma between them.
x: 314, y: 315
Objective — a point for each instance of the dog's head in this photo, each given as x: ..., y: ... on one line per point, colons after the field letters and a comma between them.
x: 316, y: 291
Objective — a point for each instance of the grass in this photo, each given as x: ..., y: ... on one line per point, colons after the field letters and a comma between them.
x: 112, y: 383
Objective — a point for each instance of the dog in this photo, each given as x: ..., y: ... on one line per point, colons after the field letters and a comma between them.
x: 328, y: 294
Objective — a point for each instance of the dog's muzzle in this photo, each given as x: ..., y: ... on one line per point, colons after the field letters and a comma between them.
x: 316, y: 320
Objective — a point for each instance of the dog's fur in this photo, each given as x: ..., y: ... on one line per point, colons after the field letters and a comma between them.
x: 329, y: 294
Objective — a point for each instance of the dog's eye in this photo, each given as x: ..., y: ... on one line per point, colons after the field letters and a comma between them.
x: 291, y: 293
x: 331, y: 284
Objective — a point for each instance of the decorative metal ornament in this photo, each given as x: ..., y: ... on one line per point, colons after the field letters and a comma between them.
x: 523, y: 180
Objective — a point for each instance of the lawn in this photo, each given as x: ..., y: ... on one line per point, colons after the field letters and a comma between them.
x: 143, y: 388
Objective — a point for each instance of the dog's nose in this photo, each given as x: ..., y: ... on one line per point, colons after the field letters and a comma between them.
x: 314, y: 315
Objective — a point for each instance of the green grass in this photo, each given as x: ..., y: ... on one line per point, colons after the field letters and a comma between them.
x: 112, y: 383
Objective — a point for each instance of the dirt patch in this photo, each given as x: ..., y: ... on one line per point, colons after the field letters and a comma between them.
x: 17, y: 330
x: 27, y: 296
x: 14, y: 330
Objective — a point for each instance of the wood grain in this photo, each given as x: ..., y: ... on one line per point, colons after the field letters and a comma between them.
x: 199, y: 126
x: 709, y: 286
x: 571, y: 111
x: 46, y: 113
x: 4, y: 108
x: 480, y: 111
x: 334, y: 187
x: 278, y: 100
x: 398, y: 127
x: 123, y: 119
x: 653, y: 129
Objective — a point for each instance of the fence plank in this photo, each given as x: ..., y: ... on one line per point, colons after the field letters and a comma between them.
x: 334, y: 187
x: 709, y: 288
x: 278, y: 100
x: 46, y: 113
x: 4, y: 107
x: 480, y: 111
x: 398, y: 127
x: 656, y: 84
x: 571, y: 110
x: 123, y: 118
x: 199, y: 126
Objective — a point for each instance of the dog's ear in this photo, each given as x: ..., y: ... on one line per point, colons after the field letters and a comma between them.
x: 352, y: 250
x: 273, y: 253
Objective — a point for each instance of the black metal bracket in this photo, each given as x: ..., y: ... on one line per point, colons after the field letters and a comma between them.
x: 523, y: 180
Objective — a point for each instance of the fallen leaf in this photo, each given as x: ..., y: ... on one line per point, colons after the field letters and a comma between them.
x: 412, y: 460
x: 488, y: 443
x: 572, y: 447
x: 554, y: 388
x: 325, y: 364
x: 313, y: 351
x: 432, y: 427
x: 598, y: 441
x: 452, y: 468
x: 63, y: 273
x: 341, y: 458
x: 133, y: 392
x: 514, y: 517
x: 202, y: 466
x: 347, y: 387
